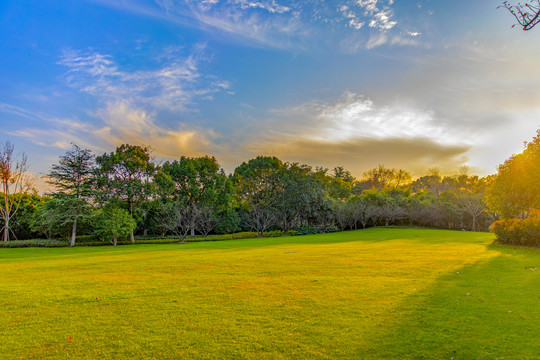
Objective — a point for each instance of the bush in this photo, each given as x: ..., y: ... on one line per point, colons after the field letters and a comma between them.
x: 520, y: 232
x: 308, y: 230
x: 34, y: 243
x: 275, y: 233
x: 330, y: 229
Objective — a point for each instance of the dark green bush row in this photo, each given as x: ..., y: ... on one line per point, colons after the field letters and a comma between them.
x: 34, y: 243
x: 92, y: 240
x: 521, y: 232
x: 313, y: 229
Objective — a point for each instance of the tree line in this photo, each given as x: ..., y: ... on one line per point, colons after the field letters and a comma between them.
x: 126, y: 192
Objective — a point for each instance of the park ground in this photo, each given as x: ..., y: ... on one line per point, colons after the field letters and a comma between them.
x: 370, y: 294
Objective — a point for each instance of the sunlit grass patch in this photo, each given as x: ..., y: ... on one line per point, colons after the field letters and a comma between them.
x: 367, y: 294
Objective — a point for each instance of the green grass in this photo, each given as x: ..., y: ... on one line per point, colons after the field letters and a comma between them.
x: 373, y: 294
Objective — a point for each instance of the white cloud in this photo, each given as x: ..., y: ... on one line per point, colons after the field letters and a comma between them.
x: 356, y: 132
x: 283, y: 24
x: 376, y: 40
x: 356, y: 116
x: 174, y: 84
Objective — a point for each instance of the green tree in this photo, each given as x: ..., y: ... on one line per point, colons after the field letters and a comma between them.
x: 198, y: 183
x: 54, y: 217
x: 127, y: 175
x: 258, y: 189
x: 298, y: 193
x: 514, y: 191
x: 113, y: 222
x: 72, y: 178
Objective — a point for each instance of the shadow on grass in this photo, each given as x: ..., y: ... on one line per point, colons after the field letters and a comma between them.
x: 487, y: 310
x: 371, y: 235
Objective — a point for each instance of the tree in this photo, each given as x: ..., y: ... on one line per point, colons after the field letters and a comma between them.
x: 125, y: 175
x: 15, y: 184
x: 344, y: 214
x: 514, y: 191
x: 260, y: 218
x: 381, y: 178
x: 72, y: 177
x: 54, y: 217
x: 299, y: 191
x: 471, y: 202
x: 362, y: 211
x: 258, y: 189
x: 179, y: 218
x: 199, y: 183
x: 114, y: 222
x: 206, y: 220
x: 527, y: 15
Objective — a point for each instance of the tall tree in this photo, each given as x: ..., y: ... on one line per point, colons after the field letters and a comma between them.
x: 199, y: 183
x: 258, y: 189
x: 298, y: 191
x: 126, y: 175
x: 471, y: 199
x: 72, y: 177
x: 15, y: 183
x: 514, y: 191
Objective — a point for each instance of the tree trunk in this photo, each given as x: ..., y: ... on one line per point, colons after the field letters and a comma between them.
x: 474, y: 223
x: 115, y: 240
x: 131, y: 234
x: 192, y: 231
x: 6, y: 231
x: 74, y: 231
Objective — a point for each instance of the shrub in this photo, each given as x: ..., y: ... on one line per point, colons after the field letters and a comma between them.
x: 275, y: 233
x: 520, y: 232
x: 330, y: 229
x: 34, y: 243
x: 308, y: 230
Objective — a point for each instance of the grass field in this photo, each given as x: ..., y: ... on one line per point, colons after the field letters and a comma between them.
x: 372, y: 294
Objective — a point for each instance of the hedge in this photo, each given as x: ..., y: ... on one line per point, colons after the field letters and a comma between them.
x: 519, y: 232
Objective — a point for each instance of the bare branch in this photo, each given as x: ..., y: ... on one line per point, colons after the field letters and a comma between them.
x: 527, y: 15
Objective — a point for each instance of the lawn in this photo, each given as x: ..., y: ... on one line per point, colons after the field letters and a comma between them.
x: 371, y: 294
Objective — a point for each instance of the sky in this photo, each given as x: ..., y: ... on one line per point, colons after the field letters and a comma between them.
x: 355, y: 83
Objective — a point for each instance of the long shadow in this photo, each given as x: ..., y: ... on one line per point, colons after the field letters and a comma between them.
x: 371, y: 235
x: 487, y: 310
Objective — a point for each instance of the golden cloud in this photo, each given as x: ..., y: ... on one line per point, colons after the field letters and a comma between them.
x: 358, y: 155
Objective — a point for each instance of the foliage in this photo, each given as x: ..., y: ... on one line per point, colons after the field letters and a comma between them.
x: 381, y: 178
x: 308, y: 230
x: 521, y: 232
x: 125, y: 174
x: 179, y: 218
x: 72, y: 177
x: 228, y: 221
x: 34, y: 243
x: 514, y: 191
x: 113, y: 222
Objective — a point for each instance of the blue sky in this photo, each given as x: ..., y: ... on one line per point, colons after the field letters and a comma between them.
x: 355, y: 83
